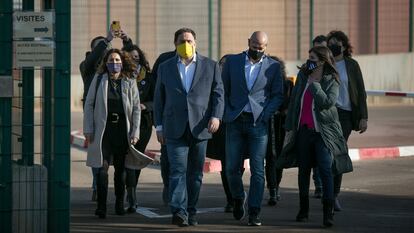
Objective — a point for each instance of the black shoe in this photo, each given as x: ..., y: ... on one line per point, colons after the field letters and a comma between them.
x: 272, y: 201
x: 254, y: 220
x: 192, y: 220
x: 131, y: 210
x: 228, y: 208
x: 302, y: 216
x: 272, y: 197
x: 100, y: 213
x: 119, y: 207
x: 239, y: 210
x: 180, y: 220
x: 317, y: 193
x: 337, y: 205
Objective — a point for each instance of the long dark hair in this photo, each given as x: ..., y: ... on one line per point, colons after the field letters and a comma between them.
x: 341, y: 36
x: 142, y: 59
x: 128, y: 66
x: 324, y: 54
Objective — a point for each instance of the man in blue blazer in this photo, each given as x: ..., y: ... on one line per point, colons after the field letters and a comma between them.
x: 188, y: 107
x: 253, y: 92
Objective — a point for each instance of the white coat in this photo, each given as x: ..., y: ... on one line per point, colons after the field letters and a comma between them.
x: 94, y: 119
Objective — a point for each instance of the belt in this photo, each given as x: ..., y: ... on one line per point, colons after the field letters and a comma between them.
x: 305, y: 126
x: 114, y: 117
x: 246, y: 114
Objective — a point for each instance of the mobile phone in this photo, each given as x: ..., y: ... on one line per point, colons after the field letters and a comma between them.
x: 116, y: 27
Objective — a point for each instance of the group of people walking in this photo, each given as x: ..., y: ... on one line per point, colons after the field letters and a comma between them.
x: 243, y: 107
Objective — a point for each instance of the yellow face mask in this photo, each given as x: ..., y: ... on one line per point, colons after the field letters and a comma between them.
x: 185, y: 50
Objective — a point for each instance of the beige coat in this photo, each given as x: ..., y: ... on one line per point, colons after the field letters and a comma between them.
x: 94, y: 120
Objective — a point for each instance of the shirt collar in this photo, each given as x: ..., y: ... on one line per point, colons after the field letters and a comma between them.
x: 192, y: 61
x: 248, y: 60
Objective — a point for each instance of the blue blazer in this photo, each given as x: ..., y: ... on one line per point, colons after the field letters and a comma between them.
x: 174, y: 107
x: 266, y: 95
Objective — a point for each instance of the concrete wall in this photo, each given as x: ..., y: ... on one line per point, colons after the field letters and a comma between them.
x: 388, y: 72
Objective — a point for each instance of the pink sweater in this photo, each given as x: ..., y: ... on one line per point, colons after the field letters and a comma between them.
x: 306, y: 118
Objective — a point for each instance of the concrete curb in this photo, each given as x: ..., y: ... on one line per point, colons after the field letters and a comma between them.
x: 212, y: 165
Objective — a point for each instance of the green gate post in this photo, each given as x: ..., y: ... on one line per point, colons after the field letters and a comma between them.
x: 410, y: 25
x: 311, y: 23
x: 137, y: 22
x: 28, y: 106
x: 218, y: 29
x: 59, y: 170
x: 6, y: 14
x: 376, y: 26
x: 210, y: 28
x: 298, y: 30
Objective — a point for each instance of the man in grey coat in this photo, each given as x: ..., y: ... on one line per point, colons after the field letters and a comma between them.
x: 188, y: 106
x: 254, y: 91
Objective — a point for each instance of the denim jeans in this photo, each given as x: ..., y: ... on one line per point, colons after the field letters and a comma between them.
x: 186, y: 157
x: 313, y: 151
x: 240, y: 133
x: 316, y: 178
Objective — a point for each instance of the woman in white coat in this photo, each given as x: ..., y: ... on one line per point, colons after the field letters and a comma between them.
x: 111, y: 124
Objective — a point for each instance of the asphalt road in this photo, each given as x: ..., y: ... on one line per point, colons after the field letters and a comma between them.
x: 377, y: 197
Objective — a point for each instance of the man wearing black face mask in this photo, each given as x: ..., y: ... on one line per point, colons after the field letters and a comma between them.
x: 253, y: 92
x: 351, y: 104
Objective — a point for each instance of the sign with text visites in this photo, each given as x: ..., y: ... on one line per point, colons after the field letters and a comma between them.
x: 33, y: 24
x: 34, y: 54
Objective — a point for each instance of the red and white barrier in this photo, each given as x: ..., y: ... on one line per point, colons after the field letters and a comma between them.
x: 212, y: 165
x: 390, y: 93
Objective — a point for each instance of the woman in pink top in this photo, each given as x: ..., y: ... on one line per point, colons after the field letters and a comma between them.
x: 313, y: 120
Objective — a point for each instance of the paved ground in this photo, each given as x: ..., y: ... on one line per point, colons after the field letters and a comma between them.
x: 377, y: 197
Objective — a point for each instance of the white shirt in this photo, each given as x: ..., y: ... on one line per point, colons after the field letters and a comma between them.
x: 187, y: 72
x: 251, y: 71
x: 343, y: 101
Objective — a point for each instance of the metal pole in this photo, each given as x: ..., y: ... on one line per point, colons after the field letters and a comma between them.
x: 410, y: 25
x: 108, y: 14
x: 210, y: 28
x: 6, y: 9
x: 218, y: 29
x: 28, y: 106
x: 298, y: 31
x: 59, y: 171
x: 310, y: 23
x: 376, y: 26
x: 137, y: 22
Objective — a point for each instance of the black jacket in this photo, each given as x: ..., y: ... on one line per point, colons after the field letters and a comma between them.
x: 89, y: 66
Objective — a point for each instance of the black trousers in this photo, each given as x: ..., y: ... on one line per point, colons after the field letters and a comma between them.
x: 145, y: 132
x: 274, y: 149
x: 345, y: 118
x: 114, y: 149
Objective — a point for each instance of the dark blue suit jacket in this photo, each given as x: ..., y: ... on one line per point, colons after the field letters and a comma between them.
x: 265, y: 96
x: 174, y: 107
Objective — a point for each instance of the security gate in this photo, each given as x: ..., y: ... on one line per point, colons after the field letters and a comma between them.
x: 34, y: 118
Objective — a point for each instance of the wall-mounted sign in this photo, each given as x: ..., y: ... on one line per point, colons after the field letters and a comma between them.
x: 34, y: 54
x: 33, y: 24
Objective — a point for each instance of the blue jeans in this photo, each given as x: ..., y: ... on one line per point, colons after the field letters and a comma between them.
x: 241, y: 133
x: 313, y: 151
x: 317, y: 178
x: 186, y: 157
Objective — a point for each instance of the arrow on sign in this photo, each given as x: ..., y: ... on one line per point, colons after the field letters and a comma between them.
x: 45, y: 29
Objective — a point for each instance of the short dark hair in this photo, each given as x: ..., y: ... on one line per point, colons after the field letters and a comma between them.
x: 341, y: 36
x: 183, y: 30
x: 95, y: 39
x: 319, y: 39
